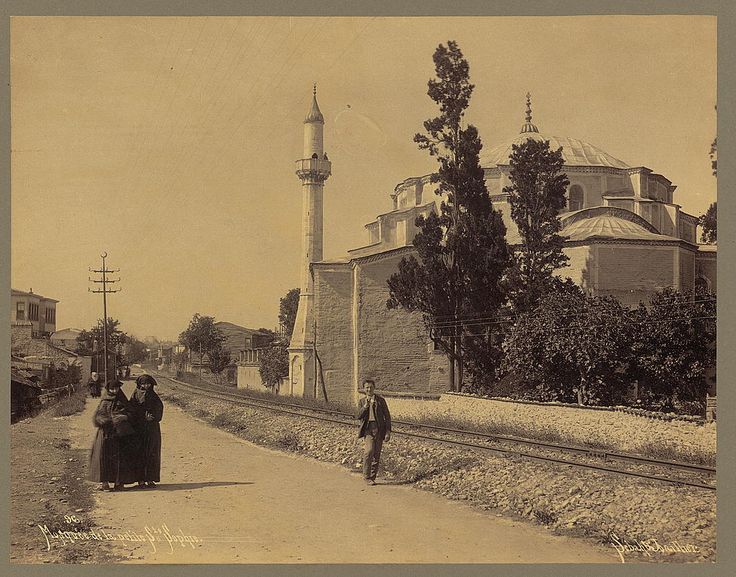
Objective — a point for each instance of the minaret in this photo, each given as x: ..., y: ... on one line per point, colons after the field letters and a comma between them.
x: 313, y: 169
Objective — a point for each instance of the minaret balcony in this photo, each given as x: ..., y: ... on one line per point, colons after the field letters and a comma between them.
x: 313, y: 169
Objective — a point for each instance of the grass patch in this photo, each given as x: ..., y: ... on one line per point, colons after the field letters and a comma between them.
x: 70, y: 405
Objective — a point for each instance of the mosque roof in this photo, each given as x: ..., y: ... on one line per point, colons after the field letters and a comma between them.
x: 574, y: 151
x: 609, y: 223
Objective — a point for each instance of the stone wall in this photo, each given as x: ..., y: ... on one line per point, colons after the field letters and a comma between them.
x: 632, y: 272
x: 580, y: 266
x: 333, y: 310
x: 20, y: 337
x: 393, y: 346
x: 687, y: 270
x: 249, y: 377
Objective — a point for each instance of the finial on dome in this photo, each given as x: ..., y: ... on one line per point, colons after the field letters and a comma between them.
x: 528, y: 126
x: 314, y: 89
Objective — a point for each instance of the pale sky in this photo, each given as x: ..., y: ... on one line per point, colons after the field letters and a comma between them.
x: 170, y: 143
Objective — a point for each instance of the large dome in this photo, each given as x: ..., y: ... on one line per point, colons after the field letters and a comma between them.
x: 574, y: 151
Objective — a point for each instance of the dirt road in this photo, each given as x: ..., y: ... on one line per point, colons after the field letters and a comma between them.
x: 224, y: 500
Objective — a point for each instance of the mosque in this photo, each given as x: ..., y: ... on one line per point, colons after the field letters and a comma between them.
x: 625, y: 237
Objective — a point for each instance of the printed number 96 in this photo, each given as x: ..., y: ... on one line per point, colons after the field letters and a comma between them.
x: 71, y: 519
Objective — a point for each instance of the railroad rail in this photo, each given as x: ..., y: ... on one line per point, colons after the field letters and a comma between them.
x: 544, y: 451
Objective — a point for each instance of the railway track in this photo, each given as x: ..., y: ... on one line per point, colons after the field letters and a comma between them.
x: 664, y: 471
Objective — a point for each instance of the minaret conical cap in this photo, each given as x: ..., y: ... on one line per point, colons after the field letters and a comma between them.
x: 314, y: 114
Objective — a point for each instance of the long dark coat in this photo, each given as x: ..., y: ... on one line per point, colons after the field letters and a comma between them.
x: 112, y: 459
x: 148, y: 465
x: 383, y: 417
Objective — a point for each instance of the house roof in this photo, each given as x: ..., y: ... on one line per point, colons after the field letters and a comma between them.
x: 18, y: 378
x: 18, y: 293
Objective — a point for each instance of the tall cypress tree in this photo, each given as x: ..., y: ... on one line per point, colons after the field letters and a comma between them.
x: 536, y: 196
x: 462, y: 249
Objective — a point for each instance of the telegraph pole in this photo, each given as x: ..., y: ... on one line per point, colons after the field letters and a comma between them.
x: 105, y: 291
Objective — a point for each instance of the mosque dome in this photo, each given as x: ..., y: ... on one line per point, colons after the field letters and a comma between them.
x: 608, y: 223
x: 575, y: 152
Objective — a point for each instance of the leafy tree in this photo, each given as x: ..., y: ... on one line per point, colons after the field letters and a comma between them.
x: 180, y: 359
x: 273, y: 358
x: 536, y: 195
x: 674, y: 345
x: 202, y: 336
x: 135, y: 351
x: 87, y: 338
x: 571, y: 347
x: 462, y: 250
x: 219, y: 360
x: 91, y: 343
x: 274, y: 363
x: 709, y: 224
x: 287, y: 311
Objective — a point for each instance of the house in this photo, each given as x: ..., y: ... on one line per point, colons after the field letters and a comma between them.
x: 38, y: 310
x: 66, y: 338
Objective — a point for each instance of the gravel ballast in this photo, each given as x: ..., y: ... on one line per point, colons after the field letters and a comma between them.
x: 612, y: 430
x: 654, y: 522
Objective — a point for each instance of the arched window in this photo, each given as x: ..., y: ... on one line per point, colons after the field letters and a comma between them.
x: 576, y: 198
x: 702, y: 285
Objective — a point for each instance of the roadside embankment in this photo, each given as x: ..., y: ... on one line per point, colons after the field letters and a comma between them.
x: 597, y: 505
x: 595, y: 428
x: 48, y: 490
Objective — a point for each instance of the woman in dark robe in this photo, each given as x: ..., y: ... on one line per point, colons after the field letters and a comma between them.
x: 148, y: 410
x: 113, y: 453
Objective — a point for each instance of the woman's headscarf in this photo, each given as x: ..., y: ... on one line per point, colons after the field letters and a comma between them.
x: 140, y: 394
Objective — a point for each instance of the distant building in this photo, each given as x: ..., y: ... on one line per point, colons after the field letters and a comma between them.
x: 66, y: 338
x: 40, y: 311
x: 242, y: 343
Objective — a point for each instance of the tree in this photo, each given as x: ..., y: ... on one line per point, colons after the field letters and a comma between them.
x: 536, y: 195
x: 202, y: 336
x: 273, y: 358
x: 135, y: 351
x: 219, y: 360
x: 572, y: 348
x: 674, y: 346
x: 91, y: 343
x: 462, y: 250
x: 288, y: 307
x: 274, y: 363
x: 709, y: 224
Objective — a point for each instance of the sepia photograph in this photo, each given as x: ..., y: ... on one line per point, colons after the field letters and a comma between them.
x: 302, y: 290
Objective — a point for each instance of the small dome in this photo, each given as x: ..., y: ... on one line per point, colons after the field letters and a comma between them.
x: 609, y: 226
x: 574, y: 151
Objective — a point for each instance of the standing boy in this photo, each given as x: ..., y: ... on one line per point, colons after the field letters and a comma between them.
x: 375, y: 428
